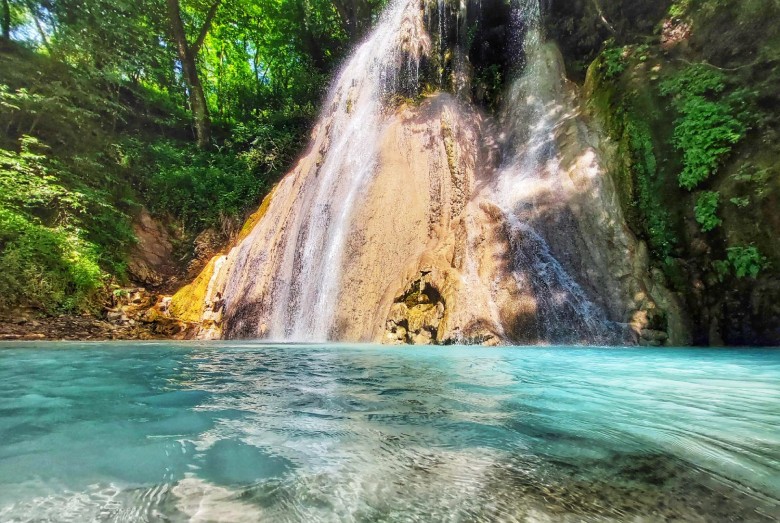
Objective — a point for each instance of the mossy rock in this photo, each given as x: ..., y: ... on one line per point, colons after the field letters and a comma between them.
x: 189, y: 303
x: 256, y: 216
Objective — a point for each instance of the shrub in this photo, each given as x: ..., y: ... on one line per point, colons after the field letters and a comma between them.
x: 706, y: 210
x: 201, y: 187
x: 195, y: 186
x: 709, y: 124
x: 613, y: 62
x: 52, y: 269
x: 743, y: 261
x: 38, y: 186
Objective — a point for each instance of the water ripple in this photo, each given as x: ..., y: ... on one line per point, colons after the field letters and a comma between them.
x: 244, y: 432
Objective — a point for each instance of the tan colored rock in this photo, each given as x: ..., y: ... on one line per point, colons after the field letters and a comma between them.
x: 150, y: 260
x: 430, y: 255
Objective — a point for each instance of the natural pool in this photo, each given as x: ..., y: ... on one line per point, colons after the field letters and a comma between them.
x: 250, y: 432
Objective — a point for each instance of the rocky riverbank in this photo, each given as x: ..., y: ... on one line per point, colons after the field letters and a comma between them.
x: 133, y: 314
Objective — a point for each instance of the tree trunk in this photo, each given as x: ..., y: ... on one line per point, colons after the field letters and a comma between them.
x: 355, y: 16
x: 6, y: 21
x: 188, y: 58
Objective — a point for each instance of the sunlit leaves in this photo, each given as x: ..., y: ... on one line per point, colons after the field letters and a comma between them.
x: 709, y: 124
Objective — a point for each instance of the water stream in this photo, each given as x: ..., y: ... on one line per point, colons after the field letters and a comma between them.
x: 528, y: 187
x: 385, y: 64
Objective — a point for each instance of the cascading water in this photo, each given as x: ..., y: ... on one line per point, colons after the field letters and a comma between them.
x: 299, y: 304
x: 527, y: 187
x: 428, y: 222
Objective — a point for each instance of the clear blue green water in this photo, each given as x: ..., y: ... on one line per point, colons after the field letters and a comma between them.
x: 246, y: 432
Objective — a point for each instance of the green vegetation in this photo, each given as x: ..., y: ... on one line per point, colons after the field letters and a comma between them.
x: 745, y: 262
x: 51, y: 268
x: 614, y: 60
x: 204, y: 188
x: 757, y: 180
x: 629, y: 106
x: 687, y: 91
x: 645, y: 167
x: 710, y: 123
x: 59, y: 238
x: 706, y: 210
x: 191, y: 109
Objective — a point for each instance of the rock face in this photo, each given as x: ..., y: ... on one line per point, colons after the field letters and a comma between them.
x: 432, y: 223
x: 478, y: 280
x: 429, y: 255
x: 649, y: 46
x: 150, y: 261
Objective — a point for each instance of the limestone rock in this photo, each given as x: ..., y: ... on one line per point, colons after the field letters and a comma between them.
x: 430, y: 256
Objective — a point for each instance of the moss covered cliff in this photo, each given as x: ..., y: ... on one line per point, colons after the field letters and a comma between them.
x: 687, y: 91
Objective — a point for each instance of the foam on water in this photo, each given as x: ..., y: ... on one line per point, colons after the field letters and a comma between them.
x: 246, y: 432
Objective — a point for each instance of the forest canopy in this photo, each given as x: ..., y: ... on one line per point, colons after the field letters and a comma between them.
x: 191, y: 109
x: 246, y: 56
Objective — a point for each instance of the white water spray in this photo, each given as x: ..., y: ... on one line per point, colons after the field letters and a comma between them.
x: 528, y: 187
x: 307, y: 271
x: 311, y: 246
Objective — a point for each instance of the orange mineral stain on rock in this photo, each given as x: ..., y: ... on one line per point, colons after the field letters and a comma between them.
x: 256, y: 216
x: 189, y: 303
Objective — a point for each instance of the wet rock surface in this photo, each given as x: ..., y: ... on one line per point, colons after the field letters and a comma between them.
x: 428, y: 228
x: 423, y: 220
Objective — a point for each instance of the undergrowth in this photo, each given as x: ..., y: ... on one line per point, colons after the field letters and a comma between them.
x: 81, y: 155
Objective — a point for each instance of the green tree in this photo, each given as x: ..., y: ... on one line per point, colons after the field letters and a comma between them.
x: 188, y: 54
x: 98, y: 100
x: 5, y: 22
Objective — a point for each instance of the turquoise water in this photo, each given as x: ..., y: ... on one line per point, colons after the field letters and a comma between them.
x: 246, y: 432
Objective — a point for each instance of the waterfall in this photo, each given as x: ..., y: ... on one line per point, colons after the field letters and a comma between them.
x: 375, y: 71
x: 528, y: 187
x: 302, y: 300
x: 427, y: 221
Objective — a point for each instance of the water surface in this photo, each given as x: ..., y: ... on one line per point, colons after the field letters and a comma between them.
x: 248, y: 432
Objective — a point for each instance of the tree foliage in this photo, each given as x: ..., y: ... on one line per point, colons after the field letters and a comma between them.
x: 253, y: 55
x: 100, y: 116
x: 709, y: 124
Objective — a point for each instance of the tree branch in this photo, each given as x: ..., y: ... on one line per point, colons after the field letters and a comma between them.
x: 602, y: 17
x: 731, y: 69
x: 195, y: 48
x: 42, y: 34
x: 6, y: 20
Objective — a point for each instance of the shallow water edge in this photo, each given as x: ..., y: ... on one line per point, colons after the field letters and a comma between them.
x: 237, y: 431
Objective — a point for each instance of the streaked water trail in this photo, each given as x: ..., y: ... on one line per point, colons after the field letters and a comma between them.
x: 302, y: 285
x: 528, y: 188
